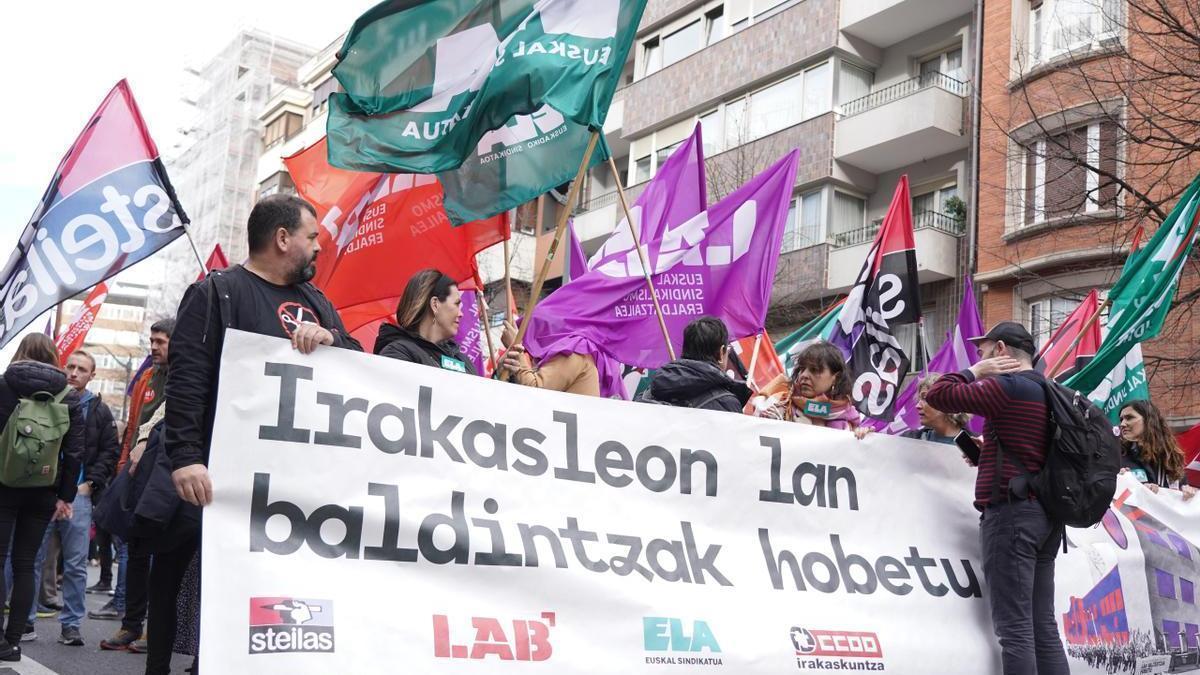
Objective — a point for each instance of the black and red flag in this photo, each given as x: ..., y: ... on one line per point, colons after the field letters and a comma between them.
x: 109, y: 205
x: 885, y: 295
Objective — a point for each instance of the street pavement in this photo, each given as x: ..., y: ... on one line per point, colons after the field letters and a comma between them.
x: 45, y: 656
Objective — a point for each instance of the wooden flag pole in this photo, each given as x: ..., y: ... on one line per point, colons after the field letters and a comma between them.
x: 753, y: 362
x: 559, y: 229
x: 483, y: 325
x: 508, y: 278
x: 637, y: 245
x: 1052, y: 371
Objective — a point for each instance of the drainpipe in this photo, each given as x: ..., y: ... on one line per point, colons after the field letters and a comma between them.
x: 976, y: 105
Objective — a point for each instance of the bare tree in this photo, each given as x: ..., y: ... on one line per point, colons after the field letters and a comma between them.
x: 1104, y: 135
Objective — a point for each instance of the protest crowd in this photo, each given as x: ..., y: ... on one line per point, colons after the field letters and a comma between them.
x: 78, y: 486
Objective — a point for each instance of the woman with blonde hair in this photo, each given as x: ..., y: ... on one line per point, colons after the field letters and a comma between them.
x: 936, y: 425
x: 1149, y: 449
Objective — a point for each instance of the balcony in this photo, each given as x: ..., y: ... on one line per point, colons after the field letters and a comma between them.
x: 884, y: 23
x: 901, y: 124
x: 937, y: 240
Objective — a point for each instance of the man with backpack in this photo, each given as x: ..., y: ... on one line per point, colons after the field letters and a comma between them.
x: 697, y: 380
x: 269, y: 295
x: 100, y: 450
x: 1020, y: 540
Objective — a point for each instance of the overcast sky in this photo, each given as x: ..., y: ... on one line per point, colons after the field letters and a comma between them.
x: 62, y: 56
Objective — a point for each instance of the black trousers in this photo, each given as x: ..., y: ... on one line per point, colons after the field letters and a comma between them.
x: 104, y: 547
x: 166, y: 576
x: 24, y: 515
x: 137, y: 586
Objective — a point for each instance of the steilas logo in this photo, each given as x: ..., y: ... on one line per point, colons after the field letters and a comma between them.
x: 279, y: 625
x: 503, y: 640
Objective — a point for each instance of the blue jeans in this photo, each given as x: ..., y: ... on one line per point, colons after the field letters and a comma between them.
x: 74, y: 536
x: 118, y: 601
x: 1019, y: 547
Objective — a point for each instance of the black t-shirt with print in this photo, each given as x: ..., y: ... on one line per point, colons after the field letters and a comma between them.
x: 271, y: 309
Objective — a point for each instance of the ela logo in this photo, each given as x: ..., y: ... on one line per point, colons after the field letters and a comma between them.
x: 279, y: 625
x: 516, y: 640
x: 663, y: 634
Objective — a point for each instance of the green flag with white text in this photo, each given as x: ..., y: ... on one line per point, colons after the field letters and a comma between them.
x: 1142, y: 295
x: 426, y: 80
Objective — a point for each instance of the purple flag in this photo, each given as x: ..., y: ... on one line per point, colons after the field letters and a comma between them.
x: 956, y: 354
x: 675, y: 195
x: 470, y: 338
x: 577, y: 263
x: 719, y: 263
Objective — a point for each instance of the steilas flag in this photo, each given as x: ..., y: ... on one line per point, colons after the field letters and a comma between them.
x: 377, y: 230
x: 72, y: 338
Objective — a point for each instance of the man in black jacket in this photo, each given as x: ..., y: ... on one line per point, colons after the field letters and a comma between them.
x: 100, y: 450
x: 697, y: 380
x: 269, y: 295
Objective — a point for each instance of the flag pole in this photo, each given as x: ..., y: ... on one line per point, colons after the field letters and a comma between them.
x: 483, y: 325
x: 637, y: 245
x: 753, y: 362
x: 1052, y: 371
x: 924, y: 346
x: 508, y: 276
x: 559, y: 230
x: 195, y: 251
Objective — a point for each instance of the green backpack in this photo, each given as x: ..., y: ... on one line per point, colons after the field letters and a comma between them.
x: 31, y: 440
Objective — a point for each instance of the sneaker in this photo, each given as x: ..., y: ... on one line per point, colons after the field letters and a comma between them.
x: 29, y: 635
x: 71, y: 637
x: 99, y: 587
x: 119, y: 642
x: 139, y: 646
x: 9, y: 652
x: 108, y: 612
x: 44, y: 612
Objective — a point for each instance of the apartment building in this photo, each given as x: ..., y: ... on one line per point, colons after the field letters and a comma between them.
x: 214, y: 173
x: 1071, y: 169
x: 868, y: 90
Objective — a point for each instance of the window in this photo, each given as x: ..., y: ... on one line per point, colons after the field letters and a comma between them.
x: 853, y: 82
x: 929, y: 208
x: 849, y: 212
x: 1058, y: 27
x: 1187, y: 591
x: 714, y: 22
x: 1047, y: 314
x: 803, y: 222
x: 663, y: 153
x: 651, y: 57
x: 711, y: 132
x: 948, y: 64
x: 320, y: 100
x: 641, y: 171
x: 818, y: 90
x: 1067, y: 174
x: 682, y: 43
x: 282, y: 128
x: 776, y: 107
x: 735, y: 124
x: 1165, y: 584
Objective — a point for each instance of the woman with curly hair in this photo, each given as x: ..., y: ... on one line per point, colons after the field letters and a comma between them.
x: 1150, y: 451
x: 818, y: 392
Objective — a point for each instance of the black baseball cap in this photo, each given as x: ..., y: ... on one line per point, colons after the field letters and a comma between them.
x: 1010, y: 333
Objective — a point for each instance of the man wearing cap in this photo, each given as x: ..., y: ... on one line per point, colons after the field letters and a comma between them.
x: 1019, y: 540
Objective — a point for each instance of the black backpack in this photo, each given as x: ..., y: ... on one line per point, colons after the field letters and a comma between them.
x: 1077, y: 483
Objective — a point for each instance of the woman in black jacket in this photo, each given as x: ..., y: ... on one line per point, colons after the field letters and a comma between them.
x: 427, y: 320
x: 25, y: 512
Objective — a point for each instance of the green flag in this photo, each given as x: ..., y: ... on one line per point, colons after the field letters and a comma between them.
x: 819, y: 328
x: 426, y: 80
x: 1142, y: 295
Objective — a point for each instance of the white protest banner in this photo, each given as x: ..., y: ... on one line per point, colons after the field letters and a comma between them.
x: 1126, y: 591
x: 373, y: 516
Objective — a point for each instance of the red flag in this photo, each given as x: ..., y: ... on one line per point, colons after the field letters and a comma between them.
x: 377, y: 230
x: 216, y: 261
x: 1064, y: 339
x: 1190, y: 442
x: 72, y: 338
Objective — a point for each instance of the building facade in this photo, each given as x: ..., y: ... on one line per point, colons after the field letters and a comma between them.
x: 117, y: 340
x: 868, y: 91
x: 1070, y: 169
x: 214, y: 173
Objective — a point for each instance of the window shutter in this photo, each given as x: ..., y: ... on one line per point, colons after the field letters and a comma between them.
x: 1030, y: 181
x: 1108, y: 164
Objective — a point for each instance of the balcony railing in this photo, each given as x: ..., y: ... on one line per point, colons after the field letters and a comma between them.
x: 924, y: 220
x: 597, y: 202
x: 899, y: 90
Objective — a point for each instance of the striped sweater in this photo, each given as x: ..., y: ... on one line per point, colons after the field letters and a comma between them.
x: 1013, y: 407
